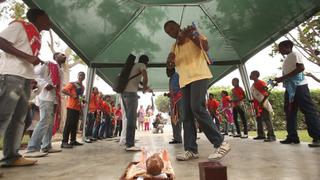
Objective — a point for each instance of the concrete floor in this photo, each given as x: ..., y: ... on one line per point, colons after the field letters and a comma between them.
x: 106, y: 160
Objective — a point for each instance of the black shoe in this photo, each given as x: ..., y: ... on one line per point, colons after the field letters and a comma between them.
x: 76, y: 143
x: 270, y: 139
x: 315, y: 143
x: 66, y: 145
x: 259, y: 138
x: 237, y: 135
x: 93, y: 139
x: 175, y: 142
x: 290, y: 141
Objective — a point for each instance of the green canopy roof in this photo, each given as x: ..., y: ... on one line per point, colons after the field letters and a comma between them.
x: 104, y: 32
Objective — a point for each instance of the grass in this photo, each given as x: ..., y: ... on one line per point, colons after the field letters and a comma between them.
x: 303, y: 135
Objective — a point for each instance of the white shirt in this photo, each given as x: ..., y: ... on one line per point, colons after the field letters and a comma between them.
x: 44, y: 78
x: 290, y: 64
x: 133, y: 84
x: 10, y: 64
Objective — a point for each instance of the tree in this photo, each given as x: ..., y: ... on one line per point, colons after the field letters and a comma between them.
x: 162, y: 103
x: 307, y: 40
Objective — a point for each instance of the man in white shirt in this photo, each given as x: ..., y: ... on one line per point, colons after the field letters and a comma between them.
x: 130, y: 99
x: 47, y: 75
x: 297, y: 95
x: 20, y: 42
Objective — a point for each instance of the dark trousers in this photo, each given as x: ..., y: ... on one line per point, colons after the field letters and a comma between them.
x: 215, y: 119
x: 90, y: 124
x: 265, y: 117
x: 71, y: 125
x: 303, y: 101
x: 194, y: 107
x: 118, y: 128
x: 237, y: 110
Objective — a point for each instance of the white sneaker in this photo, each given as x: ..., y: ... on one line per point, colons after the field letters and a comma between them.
x: 52, y: 150
x: 187, y: 155
x: 133, y: 148
x: 35, y: 154
x: 221, y: 152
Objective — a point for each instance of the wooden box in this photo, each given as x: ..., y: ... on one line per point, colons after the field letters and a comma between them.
x: 212, y: 171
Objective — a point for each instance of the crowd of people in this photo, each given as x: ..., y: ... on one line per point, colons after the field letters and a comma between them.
x: 22, y: 74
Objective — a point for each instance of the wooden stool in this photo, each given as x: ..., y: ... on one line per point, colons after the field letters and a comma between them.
x: 212, y: 171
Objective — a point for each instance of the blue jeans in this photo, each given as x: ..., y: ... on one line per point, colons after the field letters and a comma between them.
x: 130, y: 102
x: 42, y: 134
x: 14, y: 97
x: 194, y: 108
x: 303, y: 101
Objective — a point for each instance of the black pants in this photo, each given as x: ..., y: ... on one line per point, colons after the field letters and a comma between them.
x: 71, y: 124
x: 302, y: 101
x: 118, y: 128
x: 237, y: 110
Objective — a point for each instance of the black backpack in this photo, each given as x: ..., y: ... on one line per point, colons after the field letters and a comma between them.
x: 123, y: 78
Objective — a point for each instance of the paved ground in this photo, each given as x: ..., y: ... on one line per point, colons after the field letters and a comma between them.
x: 106, y: 160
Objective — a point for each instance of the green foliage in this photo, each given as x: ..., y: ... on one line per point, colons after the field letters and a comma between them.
x: 277, y: 100
x: 162, y: 103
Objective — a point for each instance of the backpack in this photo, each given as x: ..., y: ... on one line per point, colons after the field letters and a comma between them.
x: 122, y: 79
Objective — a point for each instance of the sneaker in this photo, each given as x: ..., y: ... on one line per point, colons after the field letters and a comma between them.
x: 52, y: 150
x: 244, y: 136
x: 259, y: 138
x: 221, y: 152
x: 87, y: 141
x: 133, y: 148
x: 35, y: 154
x: 66, y: 145
x: 187, y: 155
x: 290, y: 141
x: 237, y: 135
x: 315, y: 143
x: 21, y: 162
x: 76, y: 143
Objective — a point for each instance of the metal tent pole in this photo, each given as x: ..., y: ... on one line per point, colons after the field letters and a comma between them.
x: 90, y: 78
x: 246, y: 83
x: 245, y: 79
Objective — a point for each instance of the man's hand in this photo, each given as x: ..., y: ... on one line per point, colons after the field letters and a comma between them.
x: 49, y: 87
x: 278, y: 79
x: 35, y: 60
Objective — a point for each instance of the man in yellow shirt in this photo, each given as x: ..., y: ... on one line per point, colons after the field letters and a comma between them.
x: 188, y: 56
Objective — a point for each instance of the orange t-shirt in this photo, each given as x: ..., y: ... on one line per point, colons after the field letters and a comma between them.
x: 93, y: 105
x: 106, y: 107
x: 237, y: 96
x: 73, y: 103
x: 225, y: 101
x: 212, y: 104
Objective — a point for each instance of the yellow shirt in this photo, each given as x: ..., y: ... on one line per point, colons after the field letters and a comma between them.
x: 191, y: 63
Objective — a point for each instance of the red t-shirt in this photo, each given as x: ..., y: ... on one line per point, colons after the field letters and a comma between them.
x: 226, y: 100
x: 212, y: 105
x: 237, y: 96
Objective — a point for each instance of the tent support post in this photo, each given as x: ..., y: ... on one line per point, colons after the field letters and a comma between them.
x: 90, y: 78
x: 246, y: 83
x: 245, y: 79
